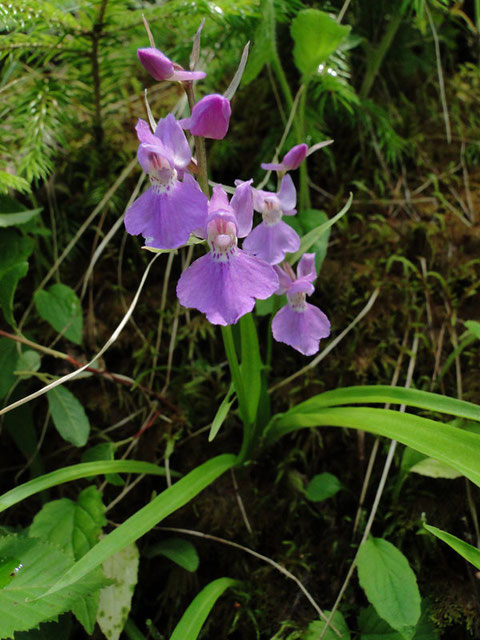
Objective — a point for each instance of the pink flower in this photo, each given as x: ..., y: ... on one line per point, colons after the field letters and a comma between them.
x: 162, y: 68
x: 210, y: 117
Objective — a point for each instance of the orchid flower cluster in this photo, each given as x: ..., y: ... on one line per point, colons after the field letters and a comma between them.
x: 225, y: 283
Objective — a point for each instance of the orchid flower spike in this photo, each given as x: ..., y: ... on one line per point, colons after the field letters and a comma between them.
x: 174, y: 206
x: 294, y: 158
x: 299, y: 323
x: 225, y: 282
x: 273, y: 238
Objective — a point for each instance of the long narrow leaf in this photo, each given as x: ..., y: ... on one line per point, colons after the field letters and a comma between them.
x: 146, y: 518
x: 251, y: 364
x: 75, y: 472
x: 382, y: 394
x: 467, y: 551
x: 458, y: 448
x: 192, y: 621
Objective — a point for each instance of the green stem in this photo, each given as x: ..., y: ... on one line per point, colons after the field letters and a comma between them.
x: 132, y: 631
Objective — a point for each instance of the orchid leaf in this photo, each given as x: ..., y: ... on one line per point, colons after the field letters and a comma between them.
x: 222, y: 413
x: 467, y: 551
x: 178, y: 550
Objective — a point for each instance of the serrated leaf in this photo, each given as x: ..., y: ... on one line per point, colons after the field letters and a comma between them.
x: 28, y: 362
x: 68, y: 416
x: 8, y: 359
x: 61, y: 308
x: 322, y: 486
x: 49, y: 630
x: 316, y: 627
x: 24, y: 602
x: 116, y: 600
x: 390, y: 584
x: 180, y: 551
x: 316, y: 36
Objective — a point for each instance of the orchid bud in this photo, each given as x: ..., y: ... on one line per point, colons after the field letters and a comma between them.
x: 162, y: 68
x: 210, y: 117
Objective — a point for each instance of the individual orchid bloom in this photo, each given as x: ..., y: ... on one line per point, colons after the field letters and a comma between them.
x: 172, y: 208
x: 299, y: 323
x: 273, y: 238
x: 162, y: 68
x: 210, y: 117
x: 225, y: 282
x: 294, y: 158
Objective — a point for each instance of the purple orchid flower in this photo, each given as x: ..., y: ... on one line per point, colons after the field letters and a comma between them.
x: 294, y: 158
x: 224, y: 283
x: 162, y: 68
x: 299, y: 324
x: 273, y: 238
x: 171, y: 209
x: 210, y: 117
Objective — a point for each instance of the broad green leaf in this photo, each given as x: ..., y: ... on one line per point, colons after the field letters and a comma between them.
x: 116, y: 600
x: 146, y: 518
x: 19, y: 218
x: 49, y: 630
x: 192, y: 621
x: 372, y: 627
x: 75, y: 472
x: 263, y: 49
x: 73, y: 526
x: 28, y: 362
x: 251, y: 364
x: 390, y: 584
x: 467, y: 551
x: 103, y: 451
x: 68, y: 416
x: 316, y: 627
x: 456, y: 447
x: 381, y: 394
x: 14, y: 252
x: 8, y: 360
x: 222, y: 413
x: 61, y: 308
x: 316, y: 36
x: 322, y: 486
x: 474, y: 327
x: 24, y: 602
x: 313, y: 237
x: 180, y: 551
x: 432, y: 468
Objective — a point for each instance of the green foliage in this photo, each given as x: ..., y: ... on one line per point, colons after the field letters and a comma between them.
x: 197, y: 612
x: 322, y: 486
x: 68, y: 416
x: 178, y: 550
x: 372, y: 627
x: 61, y: 308
x: 467, y: 551
x: 316, y: 36
x: 8, y: 359
x: 14, y: 253
x: 390, y: 585
x: 316, y: 627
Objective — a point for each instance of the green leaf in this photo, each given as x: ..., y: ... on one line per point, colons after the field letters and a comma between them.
x: 146, y: 518
x: 372, y: 627
x: 474, y: 327
x: 74, y: 527
x: 68, y: 416
x: 306, y: 221
x: 116, y: 600
x: 75, y: 472
x: 316, y: 627
x: 103, y: 451
x: 10, y: 181
x: 197, y: 612
x: 8, y: 359
x: 467, y: 551
x: 28, y: 362
x: 251, y: 364
x: 381, y: 394
x: 48, y: 630
x: 61, y: 308
x: 178, y: 550
x: 390, y: 584
x: 19, y: 218
x: 432, y: 468
x: 25, y: 601
x: 263, y: 49
x: 316, y: 36
x: 322, y: 486
x: 313, y: 237
x: 222, y: 413
x: 458, y: 448
x: 14, y: 253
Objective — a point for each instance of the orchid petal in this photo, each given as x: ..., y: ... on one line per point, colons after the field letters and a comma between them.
x: 306, y: 267
x: 287, y: 194
x: 271, y: 243
x: 172, y: 136
x: 242, y: 205
x: 301, y: 330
